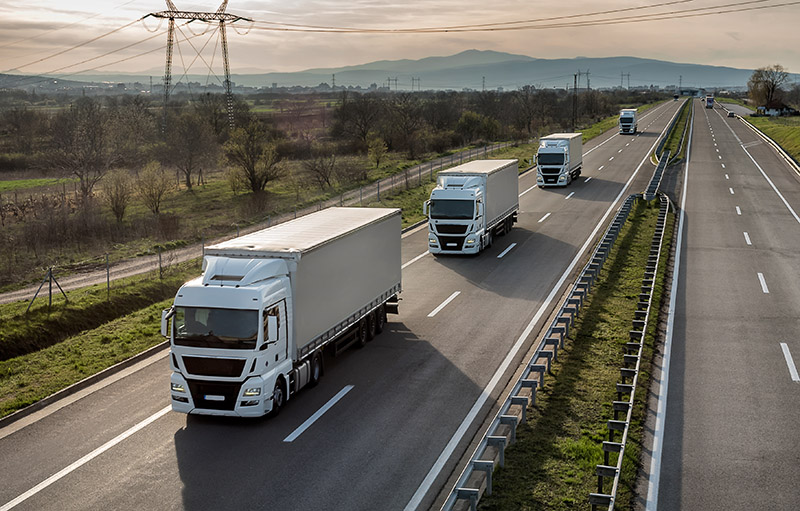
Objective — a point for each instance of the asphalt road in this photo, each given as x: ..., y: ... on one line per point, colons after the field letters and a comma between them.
x: 731, y: 439
x: 401, y: 399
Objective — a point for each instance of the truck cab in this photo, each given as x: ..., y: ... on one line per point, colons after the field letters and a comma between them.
x: 559, y: 159
x: 628, y: 122
x: 454, y: 211
x: 229, y: 339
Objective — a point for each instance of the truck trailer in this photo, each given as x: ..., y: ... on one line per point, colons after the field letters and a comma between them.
x: 559, y: 159
x: 471, y: 204
x: 628, y: 120
x: 709, y: 101
x: 249, y: 333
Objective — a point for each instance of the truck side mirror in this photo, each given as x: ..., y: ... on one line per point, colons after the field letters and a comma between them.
x: 272, y: 328
x: 166, y: 315
x: 425, y: 207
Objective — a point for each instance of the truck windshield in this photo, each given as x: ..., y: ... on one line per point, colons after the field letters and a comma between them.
x: 550, y: 159
x: 452, y: 209
x: 216, y: 328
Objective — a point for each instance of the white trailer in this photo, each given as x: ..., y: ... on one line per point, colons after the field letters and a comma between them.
x: 249, y: 333
x: 628, y: 120
x: 559, y: 159
x: 471, y: 204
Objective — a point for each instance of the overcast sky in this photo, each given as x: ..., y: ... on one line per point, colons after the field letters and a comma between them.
x: 32, y: 32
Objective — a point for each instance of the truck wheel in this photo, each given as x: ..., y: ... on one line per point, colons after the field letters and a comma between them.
x: 278, y: 398
x: 372, y: 326
x: 361, y: 334
x: 380, y: 319
x: 316, y: 369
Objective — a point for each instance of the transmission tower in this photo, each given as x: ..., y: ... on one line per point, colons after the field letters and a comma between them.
x: 172, y: 13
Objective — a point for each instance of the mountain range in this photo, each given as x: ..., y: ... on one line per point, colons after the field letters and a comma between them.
x: 477, y: 69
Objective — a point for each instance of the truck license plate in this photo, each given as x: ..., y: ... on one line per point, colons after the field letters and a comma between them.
x: 211, y: 397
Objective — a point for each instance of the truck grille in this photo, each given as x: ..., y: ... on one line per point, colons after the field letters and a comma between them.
x: 452, y: 242
x: 552, y: 171
x: 451, y: 229
x: 201, y: 391
x: 200, y: 366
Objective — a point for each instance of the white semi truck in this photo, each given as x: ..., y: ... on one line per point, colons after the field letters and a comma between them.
x: 249, y: 333
x: 628, y: 121
x: 559, y: 159
x: 471, y: 204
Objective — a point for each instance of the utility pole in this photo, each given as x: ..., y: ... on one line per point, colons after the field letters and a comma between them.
x: 574, y: 102
x: 416, y: 80
x: 172, y: 13
x: 587, y: 77
x: 680, y: 82
x: 483, y: 87
x: 333, y: 81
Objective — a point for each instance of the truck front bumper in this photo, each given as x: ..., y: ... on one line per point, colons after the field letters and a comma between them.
x: 469, y: 244
x: 203, y: 397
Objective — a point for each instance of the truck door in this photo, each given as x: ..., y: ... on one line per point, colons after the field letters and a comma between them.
x: 277, y: 346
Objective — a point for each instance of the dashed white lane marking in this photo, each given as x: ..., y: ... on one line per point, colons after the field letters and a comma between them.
x: 570, y: 195
x: 311, y: 420
x: 726, y: 176
x: 611, y: 158
x: 747, y: 238
x: 601, y: 167
x: 528, y: 190
x: 414, y: 260
x: 731, y: 189
x: 544, y: 218
x: 790, y: 362
x: 506, y: 251
x: 738, y: 211
x: 763, y: 282
x: 723, y: 165
x: 587, y: 179
x: 444, y: 304
x: 86, y: 459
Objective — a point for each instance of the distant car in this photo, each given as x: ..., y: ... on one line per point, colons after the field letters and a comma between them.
x: 731, y: 114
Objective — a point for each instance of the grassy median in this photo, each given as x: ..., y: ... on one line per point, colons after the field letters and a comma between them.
x: 552, y: 464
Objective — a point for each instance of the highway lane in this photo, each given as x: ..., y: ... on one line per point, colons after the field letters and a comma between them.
x: 730, y: 439
x: 412, y: 386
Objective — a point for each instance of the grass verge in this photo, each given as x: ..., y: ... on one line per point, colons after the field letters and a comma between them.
x: 783, y: 130
x: 552, y: 464
x: 675, y: 139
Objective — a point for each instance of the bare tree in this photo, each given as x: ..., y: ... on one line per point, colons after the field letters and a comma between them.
x: 250, y: 150
x: 191, y: 144
x: 80, y: 146
x: 117, y: 192
x: 376, y: 150
x: 765, y: 84
x: 322, y: 164
x: 153, y: 185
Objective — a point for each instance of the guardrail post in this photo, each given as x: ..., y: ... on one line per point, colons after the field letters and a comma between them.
x: 500, y: 443
x: 470, y: 494
x: 488, y: 467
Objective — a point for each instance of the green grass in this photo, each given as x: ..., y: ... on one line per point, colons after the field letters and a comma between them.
x: 675, y: 144
x: 552, y: 464
x: 27, y: 184
x: 783, y: 130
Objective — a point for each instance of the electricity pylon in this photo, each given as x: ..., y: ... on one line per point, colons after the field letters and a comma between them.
x: 172, y: 13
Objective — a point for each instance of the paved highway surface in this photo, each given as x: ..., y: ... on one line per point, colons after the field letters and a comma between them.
x: 394, y: 407
x: 733, y: 404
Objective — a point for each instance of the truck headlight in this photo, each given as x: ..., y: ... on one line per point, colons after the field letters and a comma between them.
x: 470, y: 241
x: 251, y: 392
x: 177, y: 387
x: 432, y: 240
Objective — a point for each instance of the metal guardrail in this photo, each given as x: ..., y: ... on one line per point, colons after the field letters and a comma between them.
x: 476, y: 478
x: 655, y: 181
x: 629, y: 372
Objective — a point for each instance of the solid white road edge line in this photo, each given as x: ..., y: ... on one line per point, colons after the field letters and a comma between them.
x: 89, y: 457
x: 444, y: 304
x: 763, y: 282
x: 663, y: 384
x: 426, y: 484
x: 414, y: 260
x: 544, y: 218
x: 311, y: 420
x: 790, y: 362
x: 506, y: 251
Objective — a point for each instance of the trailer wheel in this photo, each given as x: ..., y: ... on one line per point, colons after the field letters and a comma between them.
x: 361, y: 334
x: 372, y: 326
x: 380, y: 319
x: 278, y: 398
x: 316, y: 369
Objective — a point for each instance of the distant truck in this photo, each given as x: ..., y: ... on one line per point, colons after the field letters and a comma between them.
x: 559, y: 159
x: 249, y: 333
x: 709, y: 101
x: 471, y: 204
x: 628, y: 120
